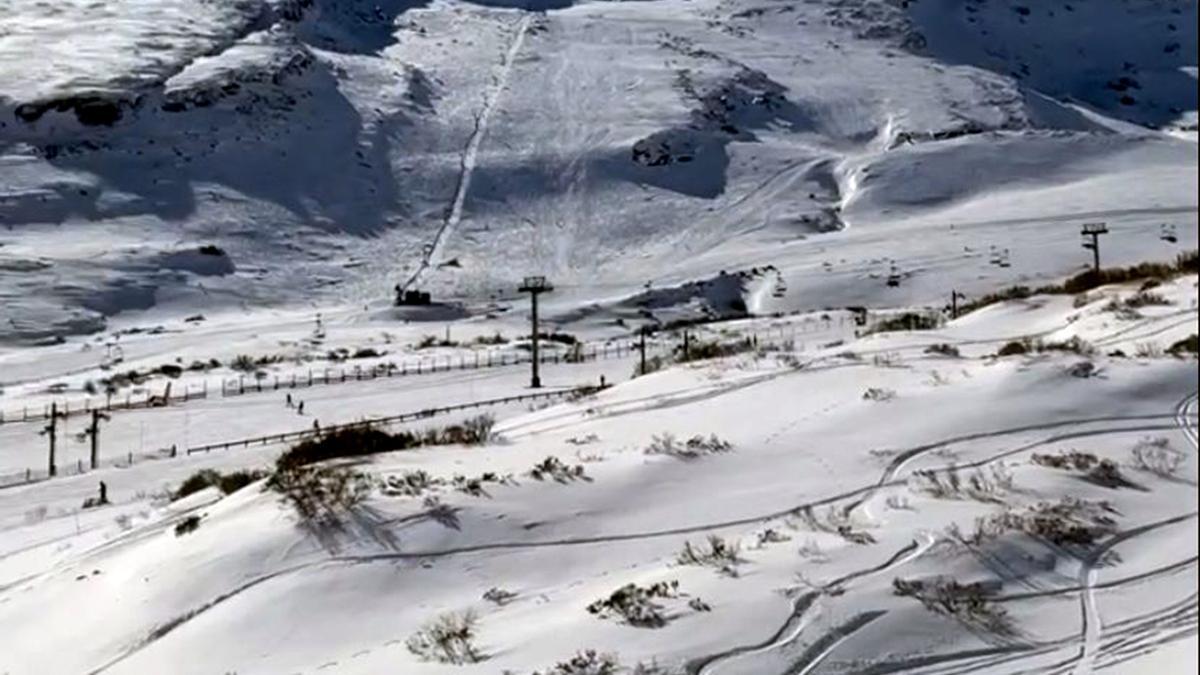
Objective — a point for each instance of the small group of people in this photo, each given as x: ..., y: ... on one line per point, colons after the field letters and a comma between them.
x: 298, y: 406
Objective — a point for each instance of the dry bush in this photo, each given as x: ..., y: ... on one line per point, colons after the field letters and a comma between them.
x: 984, y: 485
x: 1156, y: 456
x: 587, y: 662
x: 320, y: 493
x: 1145, y: 299
x: 943, y: 349
x: 554, y: 469
x: 1104, y: 472
x: 969, y: 603
x: 695, y: 447
x: 834, y: 521
x: 637, y: 605
x: 409, y: 484
x: 474, y: 486
x: 1080, y: 461
x: 879, y: 394
x: 1067, y: 522
x: 1148, y: 350
x: 450, y: 638
x: 898, y: 503
x: 187, y: 526
x: 1188, y: 345
x: 716, y: 552
x: 770, y: 536
x: 499, y: 596
x: 227, y: 483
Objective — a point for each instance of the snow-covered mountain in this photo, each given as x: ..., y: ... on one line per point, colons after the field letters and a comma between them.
x: 331, y: 149
x: 806, y: 468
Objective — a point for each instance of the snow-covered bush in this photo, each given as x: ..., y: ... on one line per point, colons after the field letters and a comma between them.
x: 554, y: 469
x: 320, y: 492
x: 715, y: 552
x: 637, y: 605
x: 981, y: 485
x: 450, y: 638
x: 969, y: 603
x: 1157, y: 456
x: 695, y: 447
x: 587, y: 662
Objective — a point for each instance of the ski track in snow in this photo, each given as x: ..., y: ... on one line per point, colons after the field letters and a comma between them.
x: 471, y: 152
x: 1092, y: 625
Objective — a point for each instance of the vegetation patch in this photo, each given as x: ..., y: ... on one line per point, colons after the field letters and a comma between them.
x: 450, y: 638
x: 969, y: 603
x: 638, y: 606
x: 693, y: 448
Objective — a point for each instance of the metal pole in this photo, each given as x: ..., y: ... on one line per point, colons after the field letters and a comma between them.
x: 537, y: 381
x: 95, y: 434
x: 52, y: 430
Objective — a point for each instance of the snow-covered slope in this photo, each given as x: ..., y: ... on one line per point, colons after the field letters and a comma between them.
x: 826, y: 490
x: 332, y: 149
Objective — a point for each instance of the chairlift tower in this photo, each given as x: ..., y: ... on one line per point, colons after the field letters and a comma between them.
x: 1094, y: 230
x: 535, y: 286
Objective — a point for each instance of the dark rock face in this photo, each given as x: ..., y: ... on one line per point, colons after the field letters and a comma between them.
x: 89, y: 110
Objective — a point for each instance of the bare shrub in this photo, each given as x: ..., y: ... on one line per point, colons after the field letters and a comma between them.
x: 1145, y: 299
x: 984, y: 485
x: 811, y: 550
x: 587, y: 662
x: 1103, y: 472
x: 695, y: 447
x: 499, y: 596
x: 450, y: 638
x: 771, y: 536
x: 1067, y: 522
x: 834, y: 521
x: 898, y: 503
x: 1080, y: 461
x: 716, y: 552
x: 943, y: 349
x: 474, y: 486
x: 879, y: 394
x: 187, y: 525
x: 320, y: 492
x: 969, y: 603
x: 554, y: 469
x: 1156, y: 456
x: 1148, y: 350
x: 409, y: 484
x: 637, y: 605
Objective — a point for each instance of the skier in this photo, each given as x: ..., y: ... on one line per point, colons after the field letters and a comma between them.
x: 103, y: 493
x: 289, y: 400
x: 300, y: 408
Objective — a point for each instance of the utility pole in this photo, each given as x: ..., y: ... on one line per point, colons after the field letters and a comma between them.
x: 642, y: 349
x: 1094, y: 230
x: 955, y: 296
x: 93, y: 432
x: 535, y: 286
x: 51, y: 430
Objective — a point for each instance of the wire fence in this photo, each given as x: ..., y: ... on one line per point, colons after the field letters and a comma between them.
x: 173, y: 393
x: 128, y: 459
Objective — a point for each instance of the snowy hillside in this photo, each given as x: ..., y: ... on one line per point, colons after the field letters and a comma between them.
x: 331, y: 149
x: 881, y: 418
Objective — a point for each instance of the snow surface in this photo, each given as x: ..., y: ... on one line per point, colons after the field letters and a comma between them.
x: 185, y: 183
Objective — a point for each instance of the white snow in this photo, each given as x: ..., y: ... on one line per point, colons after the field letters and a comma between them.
x: 213, y: 197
